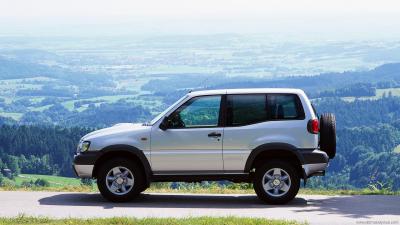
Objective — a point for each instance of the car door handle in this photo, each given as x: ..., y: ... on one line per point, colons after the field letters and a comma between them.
x: 214, y: 134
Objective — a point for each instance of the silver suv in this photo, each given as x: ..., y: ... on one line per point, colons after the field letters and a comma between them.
x: 269, y: 137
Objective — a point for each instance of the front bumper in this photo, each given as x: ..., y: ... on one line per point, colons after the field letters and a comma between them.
x: 83, y: 171
x: 83, y: 164
x: 315, y: 162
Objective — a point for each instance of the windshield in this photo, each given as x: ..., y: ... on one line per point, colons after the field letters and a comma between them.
x: 165, y: 111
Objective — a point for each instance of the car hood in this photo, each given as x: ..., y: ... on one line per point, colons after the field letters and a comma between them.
x: 116, y: 129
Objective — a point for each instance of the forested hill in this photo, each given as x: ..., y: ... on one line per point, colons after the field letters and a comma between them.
x: 39, y: 149
x: 18, y: 69
x: 368, y: 140
x: 355, y: 84
x: 385, y: 76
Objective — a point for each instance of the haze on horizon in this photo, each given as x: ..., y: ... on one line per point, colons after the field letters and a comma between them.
x: 331, y: 19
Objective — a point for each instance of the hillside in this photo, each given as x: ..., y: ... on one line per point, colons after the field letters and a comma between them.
x: 368, y: 130
x: 44, y: 116
x: 385, y: 76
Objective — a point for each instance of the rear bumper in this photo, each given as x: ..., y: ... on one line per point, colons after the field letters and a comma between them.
x: 315, y: 169
x: 315, y: 163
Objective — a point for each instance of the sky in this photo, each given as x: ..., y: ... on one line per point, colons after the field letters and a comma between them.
x: 312, y: 18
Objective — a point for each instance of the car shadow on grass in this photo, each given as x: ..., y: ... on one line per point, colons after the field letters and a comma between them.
x: 167, y: 201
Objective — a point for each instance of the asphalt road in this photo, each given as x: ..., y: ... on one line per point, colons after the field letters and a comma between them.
x: 316, y: 209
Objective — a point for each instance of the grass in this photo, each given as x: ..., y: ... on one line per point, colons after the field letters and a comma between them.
x: 57, y: 184
x: 211, y: 190
x: 304, y: 191
x: 68, y: 184
x: 55, y: 181
x: 69, y: 188
x: 363, y: 191
x: 40, y: 108
x: 148, y: 221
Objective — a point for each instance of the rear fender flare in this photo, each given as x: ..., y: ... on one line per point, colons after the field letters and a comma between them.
x: 284, y: 147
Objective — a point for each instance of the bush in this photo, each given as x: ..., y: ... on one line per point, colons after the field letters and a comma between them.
x: 27, y: 184
x: 42, y: 183
x: 8, y: 183
x: 87, y: 182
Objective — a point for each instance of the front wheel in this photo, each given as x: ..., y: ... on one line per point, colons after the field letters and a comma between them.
x: 276, y: 182
x: 120, y: 180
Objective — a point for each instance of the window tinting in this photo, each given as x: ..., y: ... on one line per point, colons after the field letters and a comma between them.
x: 284, y: 106
x: 246, y: 109
x: 197, y: 112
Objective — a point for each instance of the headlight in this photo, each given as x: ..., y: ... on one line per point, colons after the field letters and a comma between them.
x: 84, y: 146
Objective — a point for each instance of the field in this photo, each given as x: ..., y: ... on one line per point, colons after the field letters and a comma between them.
x: 149, y: 221
x: 55, y: 181
x: 379, y: 94
x: 393, y: 91
x: 397, y: 149
x: 15, y: 105
x: 14, y: 116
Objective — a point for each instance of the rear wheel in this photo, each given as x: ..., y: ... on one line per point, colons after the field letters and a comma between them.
x: 276, y: 182
x: 120, y: 180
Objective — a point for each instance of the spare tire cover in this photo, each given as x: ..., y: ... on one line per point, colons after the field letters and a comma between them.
x: 327, y: 134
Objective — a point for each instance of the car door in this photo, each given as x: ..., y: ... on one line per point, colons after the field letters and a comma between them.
x: 192, y: 142
x: 255, y: 119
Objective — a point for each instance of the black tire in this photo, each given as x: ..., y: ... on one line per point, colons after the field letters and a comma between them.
x: 327, y: 136
x: 266, y: 196
x: 138, y: 175
x: 143, y: 188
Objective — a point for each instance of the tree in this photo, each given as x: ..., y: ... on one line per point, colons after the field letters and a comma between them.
x: 13, y: 165
x: 42, y: 183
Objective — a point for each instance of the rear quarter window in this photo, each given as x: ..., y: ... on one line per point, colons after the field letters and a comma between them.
x: 284, y: 107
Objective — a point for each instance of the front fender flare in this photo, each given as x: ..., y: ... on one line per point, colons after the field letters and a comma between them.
x: 132, y: 151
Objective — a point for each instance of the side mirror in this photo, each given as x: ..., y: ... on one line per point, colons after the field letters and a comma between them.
x: 164, y: 124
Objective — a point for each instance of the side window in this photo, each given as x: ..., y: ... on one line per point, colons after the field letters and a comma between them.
x: 284, y: 107
x: 246, y: 109
x: 197, y: 112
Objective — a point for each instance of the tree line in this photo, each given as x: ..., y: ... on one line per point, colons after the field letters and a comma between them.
x: 39, y: 149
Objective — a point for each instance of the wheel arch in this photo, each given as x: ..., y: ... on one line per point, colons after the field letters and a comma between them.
x: 128, y: 151
x: 274, y: 151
